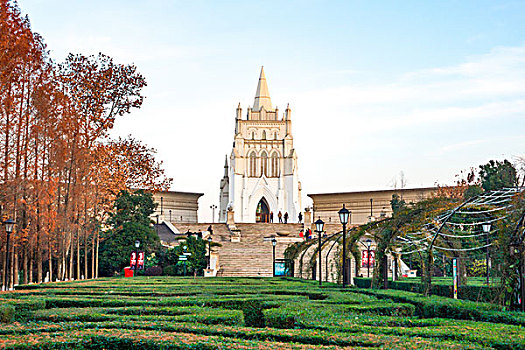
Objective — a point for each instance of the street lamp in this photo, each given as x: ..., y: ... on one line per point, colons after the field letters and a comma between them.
x: 274, y: 243
x: 184, y: 253
x: 319, y: 226
x: 137, y: 245
x: 209, y: 252
x: 9, y: 225
x: 344, y: 214
x: 486, y: 229
x: 368, y: 244
x: 213, y: 207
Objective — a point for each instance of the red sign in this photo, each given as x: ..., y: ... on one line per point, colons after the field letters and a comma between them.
x: 140, y: 262
x: 364, y: 258
x: 133, y: 260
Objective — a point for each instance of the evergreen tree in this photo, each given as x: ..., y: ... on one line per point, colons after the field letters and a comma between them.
x: 495, y: 175
x: 129, y: 222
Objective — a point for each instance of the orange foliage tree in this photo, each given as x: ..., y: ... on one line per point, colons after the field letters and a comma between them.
x: 59, y: 171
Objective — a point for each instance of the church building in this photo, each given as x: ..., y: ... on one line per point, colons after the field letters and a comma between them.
x: 261, y: 177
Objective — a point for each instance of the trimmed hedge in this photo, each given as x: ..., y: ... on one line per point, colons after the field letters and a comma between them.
x: 24, y: 308
x: 436, y: 306
x: 473, y: 293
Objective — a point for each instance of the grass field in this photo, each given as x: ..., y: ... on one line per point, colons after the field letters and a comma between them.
x: 229, y: 313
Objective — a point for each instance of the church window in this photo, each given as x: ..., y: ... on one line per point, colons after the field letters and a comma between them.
x: 253, y: 165
x: 275, y: 165
x: 264, y: 164
x: 264, y: 135
x: 275, y: 136
x: 253, y: 136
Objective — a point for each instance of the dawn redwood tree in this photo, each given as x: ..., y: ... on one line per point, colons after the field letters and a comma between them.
x: 54, y: 119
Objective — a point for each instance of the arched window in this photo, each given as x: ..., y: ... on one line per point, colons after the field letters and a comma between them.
x: 252, y: 171
x: 264, y: 164
x: 264, y: 135
x: 275, y: 136
x: 253, y: 136
x: 275, y: 165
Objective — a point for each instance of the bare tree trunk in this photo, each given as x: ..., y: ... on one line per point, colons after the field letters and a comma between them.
x: 85, y: 255
x: 16, y: 268
x: 4, y: 261
x: 96, y: 255
x: 93, y: 248
x: 78, y: 255
x: 50, y: 261
x: 25, y: 263
x: 71, y: 257
x: 38, y: 257
x: 30, y: 267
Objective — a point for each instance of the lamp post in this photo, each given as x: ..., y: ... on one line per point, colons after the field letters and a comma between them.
x: 9, y: 225
x: 319, y: 226
x: 486, y: 229
x: 184, y: 248
x: 274, y: 243
x: 137, y: 245
x: 343, y: 216
x: 209, y: 252
x: 368, y: 244
x: 213, y: 207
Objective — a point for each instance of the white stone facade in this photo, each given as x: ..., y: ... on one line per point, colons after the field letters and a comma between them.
x: 262, y: 174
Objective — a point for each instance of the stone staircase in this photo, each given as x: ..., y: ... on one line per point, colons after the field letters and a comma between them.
x: 252, y: 256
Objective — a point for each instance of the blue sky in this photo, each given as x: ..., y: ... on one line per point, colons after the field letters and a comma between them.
x: 425, y: 87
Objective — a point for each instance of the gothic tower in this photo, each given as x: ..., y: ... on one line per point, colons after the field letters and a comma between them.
x: 262, y: 174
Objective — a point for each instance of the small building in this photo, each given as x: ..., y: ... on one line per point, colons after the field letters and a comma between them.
x: 174, y: 206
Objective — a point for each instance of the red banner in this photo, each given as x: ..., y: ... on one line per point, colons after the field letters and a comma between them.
x: 140, y: 262
x: 133, y: 260
x: 364, y: 258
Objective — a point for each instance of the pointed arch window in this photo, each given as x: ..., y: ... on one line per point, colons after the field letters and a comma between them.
x: 264, y: 164
x: 252, y: 170
x: 275, y: 165
x: 264, y: 135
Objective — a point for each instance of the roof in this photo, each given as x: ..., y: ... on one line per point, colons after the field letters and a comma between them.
x: 262, y: 95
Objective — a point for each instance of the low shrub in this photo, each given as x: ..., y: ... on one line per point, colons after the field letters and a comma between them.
x: 170, y: 270
x: 153, y: 271
x: 7, y: 313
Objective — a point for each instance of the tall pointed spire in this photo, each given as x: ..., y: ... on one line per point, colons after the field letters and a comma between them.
x: 262, y: 96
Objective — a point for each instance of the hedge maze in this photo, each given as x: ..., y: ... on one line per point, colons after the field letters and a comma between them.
x: 247, y: 313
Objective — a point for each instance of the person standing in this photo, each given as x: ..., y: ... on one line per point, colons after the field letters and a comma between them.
x: 280, y: 216
x: 271, y: 216
x: 300, y: 217
x: 286, y: 217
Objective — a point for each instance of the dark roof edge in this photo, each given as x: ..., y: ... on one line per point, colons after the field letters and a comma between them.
x: 375, y: 191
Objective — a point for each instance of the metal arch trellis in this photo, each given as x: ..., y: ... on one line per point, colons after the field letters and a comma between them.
x: 517, y: 247
x: 313, y: 244
x: 488, y: 207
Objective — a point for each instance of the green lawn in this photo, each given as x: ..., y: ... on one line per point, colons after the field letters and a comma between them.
x: 244, y: 313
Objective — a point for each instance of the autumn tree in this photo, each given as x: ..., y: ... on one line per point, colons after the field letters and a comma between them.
x: 57, y: 175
